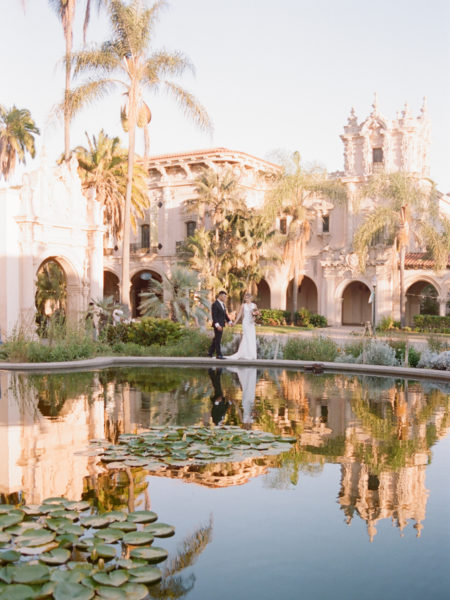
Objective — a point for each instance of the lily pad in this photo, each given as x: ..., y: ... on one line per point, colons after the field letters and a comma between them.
x: 18, y: 591
x: 9, y: 556
x: 147, y: 575
x: 4, y: 537
x: 60, y: 576
x: 142, y: 516
x: 126, y: 526
x: 31, y: 574
x: 135, y: 591
x: 35, y: 550
x: 111, y: 593
x: 67, y: 540
x: 58, y: 556
x: 110, y: 535
x: 161, y: 530
x: 74, y: 591
x: 10, y: 519
x: 78, y: 506
x: 96, y: 522
x: 115, y: 515
x: 35, y: 537
x: 103, y: 551
x: 151, y: 555
x: 138, y: 538
x: 115, y: 578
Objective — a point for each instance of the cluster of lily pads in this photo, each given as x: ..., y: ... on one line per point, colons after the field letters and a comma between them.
x: 61, y: 550
x: 181, y: 446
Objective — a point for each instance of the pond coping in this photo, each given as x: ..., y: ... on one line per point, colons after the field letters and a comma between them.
x: 104, y: 362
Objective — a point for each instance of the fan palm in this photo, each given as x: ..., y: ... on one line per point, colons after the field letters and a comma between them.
x: 65, y: 9
x: 125, y: 61
x: 103, y: 165
x: 291, y: 195
x: 402, y: 201
x: 185, y: 302
x: 17, y: 130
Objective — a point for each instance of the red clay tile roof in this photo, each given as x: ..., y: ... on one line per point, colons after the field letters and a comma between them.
x: 420, y: 260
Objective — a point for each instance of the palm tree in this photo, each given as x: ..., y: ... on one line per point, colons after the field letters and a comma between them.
x: 218, y: 193
x: 403, y: 200
x: 291, y: 195
x: 185, y: 302
x: 65, y: 9
x: 125, y: 61
x: 103, y: 165
x: 17, y: 130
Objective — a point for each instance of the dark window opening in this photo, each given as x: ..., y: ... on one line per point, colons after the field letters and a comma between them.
x: 283, y: 226
x: 145, y: 236
x: 326, y: 224
x: 191, y: 226
x: 324, y: 413
x: 377, y: 155
x: 373, y: 483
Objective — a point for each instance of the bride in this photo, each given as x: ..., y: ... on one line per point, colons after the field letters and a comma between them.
x: 248, y: 312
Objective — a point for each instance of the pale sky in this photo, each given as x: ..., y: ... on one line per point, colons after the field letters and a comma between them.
x: 273, y: 75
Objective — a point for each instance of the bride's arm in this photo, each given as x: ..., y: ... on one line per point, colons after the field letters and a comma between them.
x: 239, y: 315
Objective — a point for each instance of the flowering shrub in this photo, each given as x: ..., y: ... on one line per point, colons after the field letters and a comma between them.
x: 378, y: 352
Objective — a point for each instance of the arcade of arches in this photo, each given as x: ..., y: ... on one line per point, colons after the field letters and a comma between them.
x: 356, y: 309
x: 421, y: 299
x: 306, y: 295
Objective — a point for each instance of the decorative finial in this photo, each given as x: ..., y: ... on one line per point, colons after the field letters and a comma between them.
x: 353, y: 119
x: 424, y: 109
x: 375, y: 104
x: 406, y: 114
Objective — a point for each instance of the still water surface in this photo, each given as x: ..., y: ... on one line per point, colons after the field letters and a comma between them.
x: 358, y: 509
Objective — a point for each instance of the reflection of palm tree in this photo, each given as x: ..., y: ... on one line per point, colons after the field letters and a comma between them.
x: 172, y: 584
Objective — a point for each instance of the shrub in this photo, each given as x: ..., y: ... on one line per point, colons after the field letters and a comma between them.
x: 427, y: 359
x: 146, y: 332
x: 436, y: 344
x: 272, y: 316
x: 318, y: 320
x: 378, y: 352
x: 413, y: 357
x: 432, y: 323
x: 354, y: 349
x: 387, y: 324
x: 311, y: 348
x: 302, y: 318
x: 267, y: 346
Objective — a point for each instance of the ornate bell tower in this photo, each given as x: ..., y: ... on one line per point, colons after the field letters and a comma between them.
x: 378, y: 144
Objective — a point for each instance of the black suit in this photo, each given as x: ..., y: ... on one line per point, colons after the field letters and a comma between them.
x: 219, y: 404
x: 219, y: 316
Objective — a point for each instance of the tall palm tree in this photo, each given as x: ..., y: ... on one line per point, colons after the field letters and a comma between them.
x: 17, y: 131
x: 65, y: 9
x: 401, y: 200
x: 125, y: 61
x: 291, y: 195
x: 103, y: 165
x: 218, y: 192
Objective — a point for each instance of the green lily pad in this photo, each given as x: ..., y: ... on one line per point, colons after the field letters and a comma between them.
x: 34, y: 550
x: 103, y: 551
x: 96, y: 522
x: 5, y: 508
x: 4, y: 537
x: 126, y: 526
x: 138, y: 538
x: 115, y: 578
x: 142, y: 516
x: 66, y: 540
x: 151, y: 555
x: 31, y: 574
x: 35, y: 537
x: 147, y: 575
x: 31, y: 510
x: 127, y: 563
x: 66, y: 514
x: 54, y: 500
x: 60, y: 576
x: 74, y: 591
x: 10, y: 519
x: 111, y: 593
x: 58, y: 556
x: 6, y: 574
x: 78, y: 506
x: 135, y: 591
x: 9, y: 556
x: 110, y: 535
x: 18, y: 591
x: 115, y: 515
x: 161, y: 530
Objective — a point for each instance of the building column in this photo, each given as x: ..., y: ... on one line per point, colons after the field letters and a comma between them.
x: 442, y: 306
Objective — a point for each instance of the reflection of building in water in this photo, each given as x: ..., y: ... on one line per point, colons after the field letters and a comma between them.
x: 38, y: 453
x: 220, y: 475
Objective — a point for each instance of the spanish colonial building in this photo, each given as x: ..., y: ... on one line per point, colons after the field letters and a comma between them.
x: 48, y: 217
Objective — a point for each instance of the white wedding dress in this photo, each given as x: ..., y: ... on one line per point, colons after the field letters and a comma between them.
x: 247, y: 347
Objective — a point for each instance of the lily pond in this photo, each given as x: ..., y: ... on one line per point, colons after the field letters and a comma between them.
x: 228, y: 482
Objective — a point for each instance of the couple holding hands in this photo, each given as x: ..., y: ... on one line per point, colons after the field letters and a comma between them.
x: 248, y: 311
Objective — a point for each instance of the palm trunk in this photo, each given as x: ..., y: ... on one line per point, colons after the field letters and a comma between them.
x: 402, y: 286
x: 146, y: 146
x: 125, y: 283
x: 294, y: 293
x: 68, y: 34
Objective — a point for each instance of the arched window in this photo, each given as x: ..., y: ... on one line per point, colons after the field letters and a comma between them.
x: 145, y: 236
x: 191, y: 226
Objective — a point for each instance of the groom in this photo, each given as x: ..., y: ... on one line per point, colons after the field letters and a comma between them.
x: 219, y: 318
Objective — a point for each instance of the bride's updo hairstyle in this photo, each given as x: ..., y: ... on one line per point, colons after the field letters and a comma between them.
x: 248, y: 295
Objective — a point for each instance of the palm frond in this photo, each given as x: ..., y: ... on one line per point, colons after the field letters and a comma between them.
x: 382, y: 217
x: 190, y: 106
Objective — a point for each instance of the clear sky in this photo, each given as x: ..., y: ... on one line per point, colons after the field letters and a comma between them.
x: 272, y: 74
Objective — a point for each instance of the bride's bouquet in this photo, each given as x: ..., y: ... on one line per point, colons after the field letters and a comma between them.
x: 256, y: 316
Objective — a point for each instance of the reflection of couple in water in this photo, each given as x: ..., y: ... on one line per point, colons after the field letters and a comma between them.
x: 220, y: 405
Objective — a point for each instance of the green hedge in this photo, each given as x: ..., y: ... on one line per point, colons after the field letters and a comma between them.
x: 303, y: 318
x: 148, y: 331
x: 432, y: 323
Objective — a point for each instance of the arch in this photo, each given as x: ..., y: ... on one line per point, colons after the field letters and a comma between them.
x: 421, y: 299
x: 263, y: 294
x: 68, y: 300
x: 306, y: 295
x: 356, y: 309
x: 139, y: 283
x: 111, y: 286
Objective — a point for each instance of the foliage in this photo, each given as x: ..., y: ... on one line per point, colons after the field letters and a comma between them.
x: 273, y: 316
x: 103, y: 166
x: 184, y: 301
x: 378, y: 352
x: 387, y: 324
x: 269, y: 347
x: 191, y: 343
x: 17, y: 130
x: 302, y: 318
x: 432, y: 323
x: 145, y: 332
x: 311, y: 348
x: 431, y: 360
